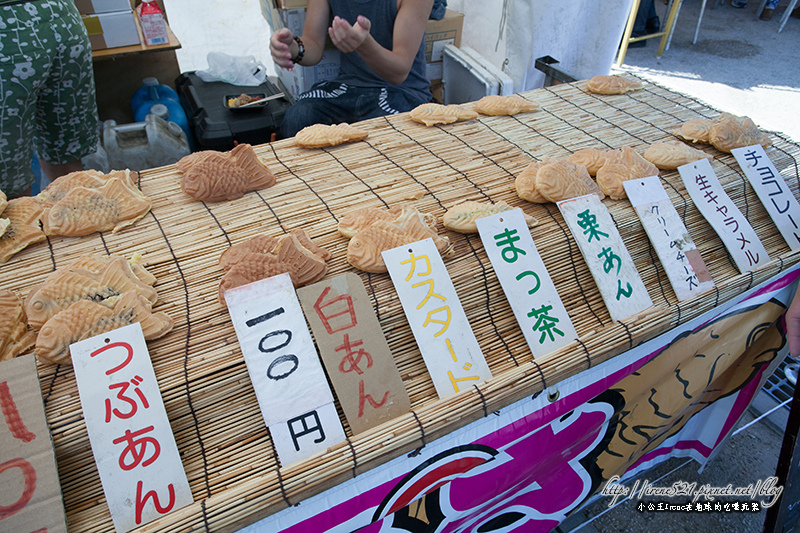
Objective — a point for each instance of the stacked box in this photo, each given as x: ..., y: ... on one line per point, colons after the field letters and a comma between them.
x: 438, y: 34
x: 110, y: 23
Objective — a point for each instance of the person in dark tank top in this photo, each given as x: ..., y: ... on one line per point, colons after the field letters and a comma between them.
x: 382, y: 69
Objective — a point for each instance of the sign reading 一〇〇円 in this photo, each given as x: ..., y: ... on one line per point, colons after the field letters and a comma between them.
x: 290, y: 385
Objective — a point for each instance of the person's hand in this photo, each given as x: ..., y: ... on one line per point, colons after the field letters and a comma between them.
x: 280, y: 46
x: 793, y: 325
x: 346, y: 37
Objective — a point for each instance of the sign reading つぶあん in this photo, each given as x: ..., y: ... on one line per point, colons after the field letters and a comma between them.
x: 132, y: 442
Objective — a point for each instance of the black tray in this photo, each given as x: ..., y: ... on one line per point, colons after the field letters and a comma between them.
x: 214, y: 126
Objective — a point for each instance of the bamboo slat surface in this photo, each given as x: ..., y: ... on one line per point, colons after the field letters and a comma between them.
x: 226, y: 450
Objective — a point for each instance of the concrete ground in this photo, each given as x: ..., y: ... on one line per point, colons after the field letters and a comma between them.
x: 746, y: 67
x: 738, y: 64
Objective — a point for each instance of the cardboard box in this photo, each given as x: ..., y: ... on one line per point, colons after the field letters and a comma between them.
x: 91, y: 7
x: 438, y: 34
x: 111, y: 30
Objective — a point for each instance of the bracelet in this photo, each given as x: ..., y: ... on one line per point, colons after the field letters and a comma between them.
x: 301, y: 50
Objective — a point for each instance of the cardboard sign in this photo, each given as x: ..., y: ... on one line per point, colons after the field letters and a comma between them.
x: 354, y: 351
x: 30, y: 493
x: 686, y: 270
x: 443, y: 334
x: 772, y: 190
x: 526, y: 283
x: 132, y: 442
x: 608, y: 259
x: 292, y: 391
x: 719, y: 210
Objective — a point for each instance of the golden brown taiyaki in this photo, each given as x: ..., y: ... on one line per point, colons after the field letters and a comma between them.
x: 622, y: 165
x: 560, y: 180
x: 212, y: 176
x: 15, y: 338
x: 670, y: 155
x: 461, y: 217
x: 86, y: 319
x: 96, y: 263
x: 591, y: 158
x: 495, y: 105
x: 730, y: 131
x: 695, y: 130
x: 364, y: 249
x: 359, y: 219
x: 431, y: 113
x: 113, y: 206
x: 555, y: 180
x: 612, y: 85
x: 91, y: 179
x: 24, y: 227
x: 322, y: 135
x: 68, y: 285
x: 261, y: 258
x: 525, y: 184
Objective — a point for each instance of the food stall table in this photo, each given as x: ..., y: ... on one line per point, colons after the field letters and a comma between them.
x: 227, y: 453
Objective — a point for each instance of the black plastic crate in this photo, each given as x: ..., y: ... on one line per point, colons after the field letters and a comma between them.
x: 216, y: 127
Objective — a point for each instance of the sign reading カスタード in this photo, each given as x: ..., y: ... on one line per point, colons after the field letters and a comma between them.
x: 443, y: 334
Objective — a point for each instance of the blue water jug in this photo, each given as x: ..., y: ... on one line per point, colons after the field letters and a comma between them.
x: 152, y: 93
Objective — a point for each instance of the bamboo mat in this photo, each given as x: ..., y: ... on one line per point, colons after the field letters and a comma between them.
x: 226, y: 449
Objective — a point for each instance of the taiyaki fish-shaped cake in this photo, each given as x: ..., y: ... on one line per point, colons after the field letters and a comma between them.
x: 96, y: 263
x: 695, y: 130
x: 461, y: 217
x: 211, y: 176
x: 86, y: 319
x: 622, y: 165
x: 359, y: 219
x: 71, y: 284
x: 613, y: 85
x: 24, y: 226
x: 670, y: 155
x: 264, y: 256
x: 91, y: 179
x: 730, y: 131
x: 15, y: 337
x: 494, y: 105
x: 364, y: 249
x: 432, y: 113
x: 591, y: 158
x: 322, y: 135
x: 553, y: 181
x: 114, y: 205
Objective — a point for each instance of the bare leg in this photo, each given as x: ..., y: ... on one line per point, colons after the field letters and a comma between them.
x: 52, y: 172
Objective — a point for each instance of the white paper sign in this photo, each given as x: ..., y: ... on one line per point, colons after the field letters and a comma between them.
x: 443, y: 334
x: 526, y: 283
x: 719, y: 210
x: 608, y: 259
x: 132, y: 442
x: 290, y: 385
x: 772, y: 190
x: 686, y: 270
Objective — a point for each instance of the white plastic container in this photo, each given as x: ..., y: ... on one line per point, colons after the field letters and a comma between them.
x: 142, y: 145
x: 467, y: 77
